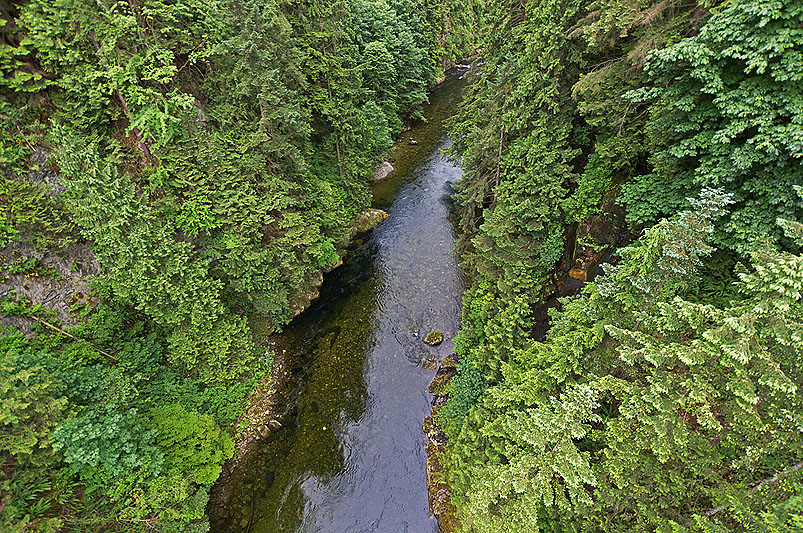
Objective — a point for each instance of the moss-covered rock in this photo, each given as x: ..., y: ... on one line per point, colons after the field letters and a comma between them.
x: 440, y: 497
x: 368, y: 219
x: 448, y: 364
x: 434, y: 338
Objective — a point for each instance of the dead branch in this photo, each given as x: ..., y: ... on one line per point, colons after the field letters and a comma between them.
x: 51, y: 326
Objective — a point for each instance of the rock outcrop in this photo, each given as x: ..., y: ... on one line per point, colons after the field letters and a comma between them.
x: 440, y: 499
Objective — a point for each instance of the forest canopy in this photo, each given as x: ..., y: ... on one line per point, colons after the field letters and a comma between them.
x: 653, y: 151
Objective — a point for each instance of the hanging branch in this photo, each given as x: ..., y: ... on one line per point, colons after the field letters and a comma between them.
x: 141, y: 143
x: 498, y: 165
x: 51, y: 326
x: 499, y: 157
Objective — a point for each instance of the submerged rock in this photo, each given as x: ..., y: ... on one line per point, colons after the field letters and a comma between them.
x: 434, y: 338
x: 383, y: 170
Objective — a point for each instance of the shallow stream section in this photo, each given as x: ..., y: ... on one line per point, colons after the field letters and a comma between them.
x: 350, y: 457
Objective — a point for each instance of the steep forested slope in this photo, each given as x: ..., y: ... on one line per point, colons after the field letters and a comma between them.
x: 666, y: 395
x: 212, y: 155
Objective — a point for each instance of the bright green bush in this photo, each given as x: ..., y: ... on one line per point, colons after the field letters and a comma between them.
x: 193, y: 442
x: 106, y: 445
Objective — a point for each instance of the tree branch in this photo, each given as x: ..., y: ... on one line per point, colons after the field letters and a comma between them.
x: 764, y: 483
x: 498, y: 165
x: 51, y: 326
x: 141, y: 143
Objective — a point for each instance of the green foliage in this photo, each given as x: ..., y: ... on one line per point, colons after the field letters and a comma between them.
x: 751, y: 513
x: 22, y: 265
x: 690, y: 361
x: 687, y: 403
x: 166, y: 503
x: 34, y: 215
x: 30, y: 406
x: 514, y: 138
x: 152, y: 469
x: 540, y: 465
x: 156, y: 272
x: 393, y: 55
x: 543, y: 133
x: 195, y: 444
x: 104, y: 446
x: 726, y: 112
x: 465, y: 390
x: 378, y: 128
x: 215, y: 351
x: 142, y: 356
x: 453, y: 31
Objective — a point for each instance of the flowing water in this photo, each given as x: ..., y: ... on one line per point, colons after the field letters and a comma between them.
x: 353, y: 458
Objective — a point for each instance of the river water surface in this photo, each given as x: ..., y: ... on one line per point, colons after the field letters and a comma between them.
x: 352, y: 459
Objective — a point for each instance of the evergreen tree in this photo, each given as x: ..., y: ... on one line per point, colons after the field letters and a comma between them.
x: 683, y: 405
x: 726, y: 112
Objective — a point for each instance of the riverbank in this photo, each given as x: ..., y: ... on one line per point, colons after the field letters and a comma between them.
x: 269, y: 407
x: 440, y: 495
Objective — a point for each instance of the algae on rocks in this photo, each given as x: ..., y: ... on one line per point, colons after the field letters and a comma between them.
x: 368, y: 219
x: 434, y: 338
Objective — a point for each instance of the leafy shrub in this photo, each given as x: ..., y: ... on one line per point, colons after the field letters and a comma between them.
x: 105, y: 445
x: 193, y: 443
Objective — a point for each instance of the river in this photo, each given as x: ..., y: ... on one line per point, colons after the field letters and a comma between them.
x: 352, y: 458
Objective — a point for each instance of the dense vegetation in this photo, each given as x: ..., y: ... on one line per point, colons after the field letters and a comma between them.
x: 666, y: 395
x: 213, y: 155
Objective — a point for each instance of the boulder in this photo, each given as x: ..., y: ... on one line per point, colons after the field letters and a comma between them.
x: 434, y: 338
x: 368, y: 219
x: 383, y: 170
